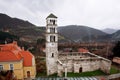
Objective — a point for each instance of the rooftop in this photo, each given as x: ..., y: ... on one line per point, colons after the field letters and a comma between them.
x: 12, y: 52
x: 51, y: 16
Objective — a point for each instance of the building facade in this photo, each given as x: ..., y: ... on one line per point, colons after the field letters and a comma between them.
x: 59, y: 62
x: 21, y: 62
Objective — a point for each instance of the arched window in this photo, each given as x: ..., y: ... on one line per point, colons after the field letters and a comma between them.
x: 52, y: 38
x: 52, y: 54
x: 50, y: 21
x: 52, y: 30
x: 53, y: 22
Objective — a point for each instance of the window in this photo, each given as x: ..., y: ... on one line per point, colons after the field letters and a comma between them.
x: 1, y: 67
x: 52, y: 38
x: 11, y: 67
x: 52, y: 22
x: 52, y: 30
x: 52, y: 54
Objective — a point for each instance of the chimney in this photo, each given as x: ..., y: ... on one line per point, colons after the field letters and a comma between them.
x: 15, y: 42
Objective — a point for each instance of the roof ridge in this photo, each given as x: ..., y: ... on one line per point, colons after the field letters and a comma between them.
x: 51, y: 16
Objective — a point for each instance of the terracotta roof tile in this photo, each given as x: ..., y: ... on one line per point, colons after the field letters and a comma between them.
x: 83, y: 50
x: 27, y: 56
x: 8, y: 56
x: 11, y: 52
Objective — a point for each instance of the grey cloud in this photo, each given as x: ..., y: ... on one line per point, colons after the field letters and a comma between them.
x: 93, y: 13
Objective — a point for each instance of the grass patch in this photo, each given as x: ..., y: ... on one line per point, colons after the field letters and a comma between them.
x: 45, y: 75
x: 41, y: 74
x: 53, y: 75
x: 83, y: 74
x: 114, y: 70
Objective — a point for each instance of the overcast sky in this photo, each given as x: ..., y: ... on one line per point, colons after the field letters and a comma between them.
x: 98, y: 14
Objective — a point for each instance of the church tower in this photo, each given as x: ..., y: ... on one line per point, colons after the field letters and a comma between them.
x: 51, y: 44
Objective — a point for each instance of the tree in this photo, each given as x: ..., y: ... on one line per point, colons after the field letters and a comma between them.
x: 116, y: 50
x: 41, y: 41
x: 40, y: 46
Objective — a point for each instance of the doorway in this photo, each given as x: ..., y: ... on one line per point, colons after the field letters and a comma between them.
x: 80, y: 69
x: 28, y: 74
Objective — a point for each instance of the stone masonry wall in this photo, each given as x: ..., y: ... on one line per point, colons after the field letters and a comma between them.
x: 105, y: 65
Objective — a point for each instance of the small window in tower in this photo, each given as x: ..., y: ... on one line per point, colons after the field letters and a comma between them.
x: 50, y: 20
x: 52, y: 38
x: 52, y: 54
x: 52, y: 30
x: 53, y: 22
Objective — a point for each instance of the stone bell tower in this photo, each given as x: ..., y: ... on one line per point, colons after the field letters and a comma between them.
x: 51, y: 44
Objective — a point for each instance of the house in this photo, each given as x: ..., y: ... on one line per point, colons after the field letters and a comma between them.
x: 21, y: 62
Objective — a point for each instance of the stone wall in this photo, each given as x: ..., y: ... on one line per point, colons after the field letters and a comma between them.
x: 105, y: 65
x: 86, y: 65
x: 82, y: 63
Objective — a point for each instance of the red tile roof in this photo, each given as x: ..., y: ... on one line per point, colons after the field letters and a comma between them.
x: 12, y: 52
x: 82, y: 50
x: 116, y: 60
x: 27, y: 58
x: 8, y: 56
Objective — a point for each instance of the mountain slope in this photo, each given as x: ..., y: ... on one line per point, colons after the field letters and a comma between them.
x: 109, y: 30
x: 9, y: 22
x: 23, y: 29
x: 116, y: 35
x: 79, y: 33
x: 4, y: 36
x: 27, y: 31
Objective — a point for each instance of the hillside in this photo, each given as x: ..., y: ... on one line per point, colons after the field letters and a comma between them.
x: 29, y: 32
x: 109, y: 30
x: 116, y: 35
x: 4, y: 36
x: 23, y: 29
x: 9, y: 22
x: 80, y: 33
